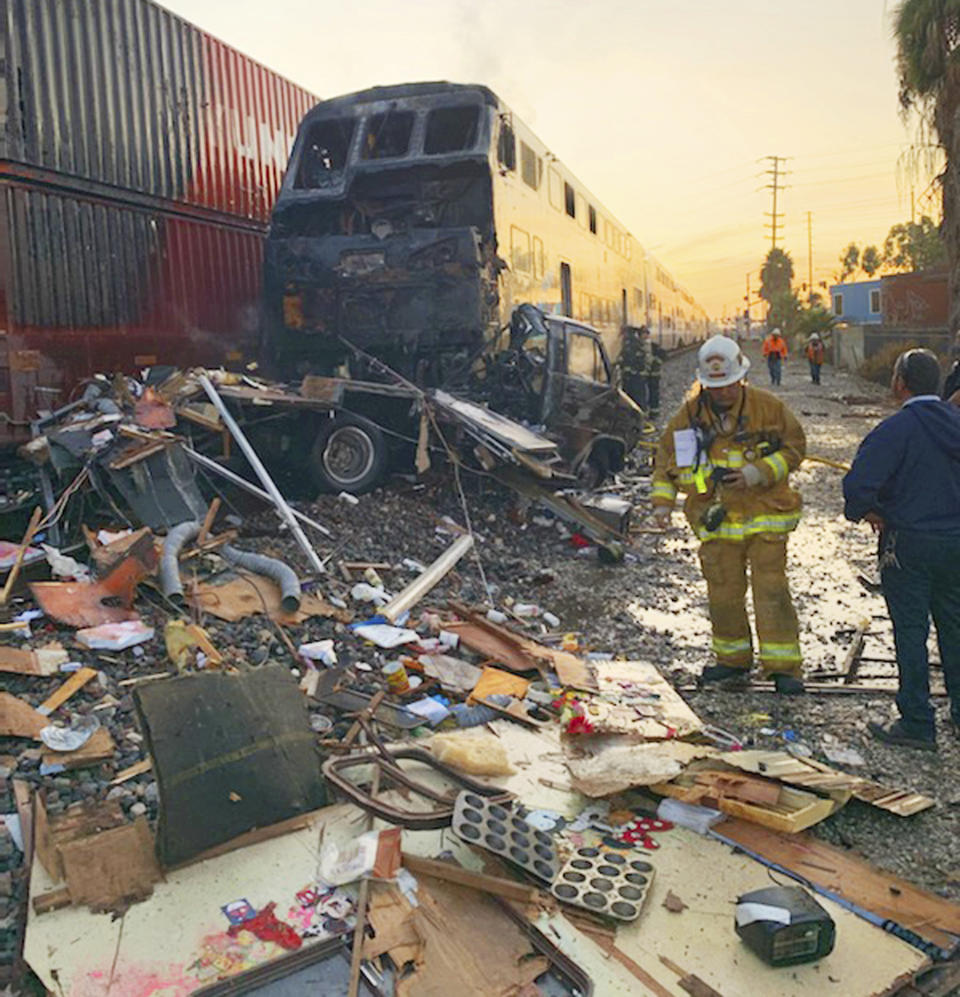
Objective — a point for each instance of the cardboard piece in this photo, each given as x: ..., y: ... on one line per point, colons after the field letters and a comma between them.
x: 494, y: 682
x: 112, y: 869
x: 19, y: 719
x: 637, y: 699
x: 249, y: 594
x: 79, y: 821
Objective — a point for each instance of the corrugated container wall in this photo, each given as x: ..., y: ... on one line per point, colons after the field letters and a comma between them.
x: 124, y: 93
x: 139, y: 162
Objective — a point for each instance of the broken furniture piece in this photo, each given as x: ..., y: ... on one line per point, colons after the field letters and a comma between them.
x: 386, y: 760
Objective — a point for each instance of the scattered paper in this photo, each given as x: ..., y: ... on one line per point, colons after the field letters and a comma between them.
x: 384, y: 635
x: 70, y: 738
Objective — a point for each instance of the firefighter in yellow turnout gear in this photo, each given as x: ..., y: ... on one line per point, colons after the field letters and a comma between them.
x: 730, y: 449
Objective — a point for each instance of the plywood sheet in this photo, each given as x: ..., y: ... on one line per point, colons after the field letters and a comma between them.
x: 249, y: 594
x: 25, y: 661
x: 99, y: 748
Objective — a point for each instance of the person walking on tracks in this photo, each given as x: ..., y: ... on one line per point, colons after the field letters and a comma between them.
x: 905, y: 482
x: 634, y: 364
x: 730, y: 448
x: 815, y: 355
x: 775, y: 350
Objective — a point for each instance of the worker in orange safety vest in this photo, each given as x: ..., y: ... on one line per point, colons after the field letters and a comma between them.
x: 775, y: 350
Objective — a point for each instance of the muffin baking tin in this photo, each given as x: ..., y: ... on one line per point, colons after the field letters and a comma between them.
x: 498, y: 828
x: 604, y: 882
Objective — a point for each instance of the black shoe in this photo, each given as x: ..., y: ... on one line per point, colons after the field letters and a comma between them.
x: 725, y: 676
x: 788, y: 685
x: 895, y: 734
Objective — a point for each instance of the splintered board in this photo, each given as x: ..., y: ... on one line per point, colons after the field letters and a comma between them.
x: 810, y: 774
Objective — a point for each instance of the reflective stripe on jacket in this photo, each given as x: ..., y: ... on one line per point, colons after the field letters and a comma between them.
x: 761, y: 432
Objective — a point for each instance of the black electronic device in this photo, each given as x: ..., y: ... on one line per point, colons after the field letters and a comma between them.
x: 784, y: 925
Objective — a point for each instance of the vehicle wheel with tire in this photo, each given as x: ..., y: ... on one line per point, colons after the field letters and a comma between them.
x: 349, y: 455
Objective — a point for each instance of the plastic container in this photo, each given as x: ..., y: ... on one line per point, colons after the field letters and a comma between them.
x: 396, y: 676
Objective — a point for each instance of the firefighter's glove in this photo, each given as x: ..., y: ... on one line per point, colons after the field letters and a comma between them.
x: 748, y: 476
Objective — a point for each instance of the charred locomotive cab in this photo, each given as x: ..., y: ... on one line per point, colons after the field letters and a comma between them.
x: 383, y: 233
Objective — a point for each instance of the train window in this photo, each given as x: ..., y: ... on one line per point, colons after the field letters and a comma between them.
x: 531, y: 166
x: 592, y: 212
x: 555, y: 185
x: 569, y: 200
x: 325, y: 152
x: 538, y: 267
x: 584, y: 358
x: 507, y: 145
x: 450, y: 129
x: 519, y: 249
x: 388, y: 135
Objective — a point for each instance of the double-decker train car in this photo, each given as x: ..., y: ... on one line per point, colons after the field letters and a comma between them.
x: 414, y: 218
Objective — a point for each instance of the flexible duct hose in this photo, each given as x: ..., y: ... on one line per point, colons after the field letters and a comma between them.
x: 270, y: 568
x: 178, y: 536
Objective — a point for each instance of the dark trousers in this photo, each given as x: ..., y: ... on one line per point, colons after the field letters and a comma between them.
x: 924, y: 581
x: 653, y: 392
x: 775, y: 366
x: 635, y: 386
x: 815, y: 371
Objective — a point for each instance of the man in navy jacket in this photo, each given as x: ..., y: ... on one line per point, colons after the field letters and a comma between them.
x: 905, y: 481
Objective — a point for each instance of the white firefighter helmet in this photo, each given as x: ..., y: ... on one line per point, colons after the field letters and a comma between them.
x: 721, y: 362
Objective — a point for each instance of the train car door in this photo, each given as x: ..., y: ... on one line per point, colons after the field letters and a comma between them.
x: 566, y: 289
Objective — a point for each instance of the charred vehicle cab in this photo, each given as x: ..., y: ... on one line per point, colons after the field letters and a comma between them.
x: 383, y: 233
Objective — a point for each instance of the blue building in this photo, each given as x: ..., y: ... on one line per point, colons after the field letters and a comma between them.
x: 857, y: 302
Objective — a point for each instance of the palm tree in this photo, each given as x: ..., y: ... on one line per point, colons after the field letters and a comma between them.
x: 928, y: 44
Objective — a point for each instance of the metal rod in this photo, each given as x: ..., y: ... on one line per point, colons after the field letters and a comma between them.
x: 278, y: 500
x: 248, y: 486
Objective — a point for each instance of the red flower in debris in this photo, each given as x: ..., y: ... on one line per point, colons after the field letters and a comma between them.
x: 579, y: 725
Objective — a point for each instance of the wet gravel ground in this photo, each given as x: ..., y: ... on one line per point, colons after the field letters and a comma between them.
x: 651, y: 608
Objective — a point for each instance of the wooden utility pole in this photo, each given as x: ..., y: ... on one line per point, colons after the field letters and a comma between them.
x: 810, y: 257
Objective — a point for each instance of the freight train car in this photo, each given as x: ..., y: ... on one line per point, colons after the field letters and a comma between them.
x: 139, y: 162
x: 414, y: 218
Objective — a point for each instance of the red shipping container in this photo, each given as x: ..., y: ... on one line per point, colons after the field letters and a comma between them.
x: 139, y: 162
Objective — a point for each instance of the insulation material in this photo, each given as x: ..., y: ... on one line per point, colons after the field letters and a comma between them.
x: 601, y: 766
x: 476, y: 754
x: 494, y: 682
x: 230, y: 752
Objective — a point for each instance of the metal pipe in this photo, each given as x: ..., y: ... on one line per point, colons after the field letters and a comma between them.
x: 248, y: 486
x: 171, y: 584
x: 261, y: 472
x: 271, y: 568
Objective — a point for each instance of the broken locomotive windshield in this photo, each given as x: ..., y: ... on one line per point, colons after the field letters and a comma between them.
x: 387, y: 135
x: 451, y: 129
x: 325, y: 152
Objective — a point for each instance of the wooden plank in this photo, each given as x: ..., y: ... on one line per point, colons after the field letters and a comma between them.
x: 208, y: 521
x: 73, y: 685
x: 690, y: 982
x: 54, y: 900
x: 100, y: 747
x: 509, y: 889
x: 607, y: 945
x: 19, y: 719
x: 138, y: 768
x: 14, y: 572
x: 428, y: 579
x: 848, y: 875
x: 851, y: 664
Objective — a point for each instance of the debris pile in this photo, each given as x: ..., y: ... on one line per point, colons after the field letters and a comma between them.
x: 308, y: 754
